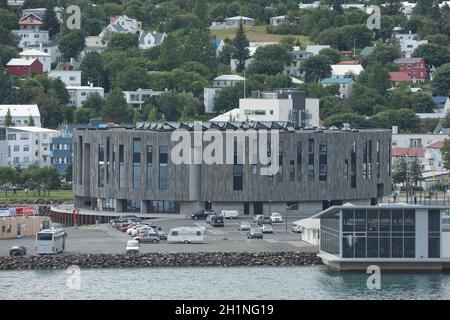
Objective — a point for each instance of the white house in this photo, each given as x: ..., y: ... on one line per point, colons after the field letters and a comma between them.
x: 69, y: 77
x: 279, y: 20
x: 275, y: 106
x: 121, y: 24
x: 149, y: 39
x: 21, y: 113
x: 310, y: 230
x: 345, y: 86
x: 433, y: 156
x: 313, y: 5
x: 408, y: 43
x: 315, y: 49
x: 29, y: 145
x: 79, y: 94
x: 137, y: 98
x: 93, y: 44
x: 50, y: 48
x: 232, y: 22
x: 31, y: 37
x: 43, y: 57
x: 345, y: 70
x: 292, y: 67
x: 209, y: 93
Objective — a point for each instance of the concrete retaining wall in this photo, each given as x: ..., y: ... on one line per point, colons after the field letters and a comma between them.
x: 204, y: 259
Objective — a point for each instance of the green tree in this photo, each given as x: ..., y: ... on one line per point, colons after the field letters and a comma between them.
x: 434, y: 54
x: 170, y: 58
x: 72, y: 43
x: 445, y: 150
x: 199, y: 47
x: 94, y: 102
x: 50, y: 22
x: 84, y: 115
x: 333, y: 54
x: 116, y: 108
x: 375, y: 76
x: 316, y: 68
x: 8, y: 92
x: 123, y: 41
x: 332, y: 105
x: 240, y: 50
x: 8, y: 177
x: 132, y: 78
x: 8, y: 119
x: 269, y: 60
x: 355, y: 120
x: 30, y: 121
x: 441, y: 80
x: 385, y: 54
x: 92, y: 70
x: 68, y: 173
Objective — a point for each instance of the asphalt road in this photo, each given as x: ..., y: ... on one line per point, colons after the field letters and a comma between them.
x: 105, y: 239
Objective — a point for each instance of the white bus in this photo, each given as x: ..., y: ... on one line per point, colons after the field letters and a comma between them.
x: 187, y: 235
x: 51, y: 241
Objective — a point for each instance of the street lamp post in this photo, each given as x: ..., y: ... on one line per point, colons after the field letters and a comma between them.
x: 140, y: 98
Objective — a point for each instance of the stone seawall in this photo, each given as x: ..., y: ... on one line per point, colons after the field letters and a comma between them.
x: 200, y: 259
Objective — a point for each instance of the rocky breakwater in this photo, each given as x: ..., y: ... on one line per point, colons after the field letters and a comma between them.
x: 200, y: 259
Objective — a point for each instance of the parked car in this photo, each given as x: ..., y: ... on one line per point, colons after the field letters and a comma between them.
x: 255, y: 233
x: 257, y: 217
x: 148, y: 237
x: 296, y: 228
x: 230, y: 214
x: 264, y: 220
x: 276, y: 217
x: 217, y: 221
x: 17, y: 251
x: 267, y: 228
x: 132, y: 246
x: 210, y: 215
x: 245, y: 226
x: 141, y: 229
x: 162, y: 235
x: 200, y: 215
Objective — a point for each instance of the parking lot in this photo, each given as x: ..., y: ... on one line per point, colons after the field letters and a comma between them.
x: 105, y: 239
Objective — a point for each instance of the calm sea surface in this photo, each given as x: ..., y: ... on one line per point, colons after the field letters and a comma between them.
x: 315, y: 282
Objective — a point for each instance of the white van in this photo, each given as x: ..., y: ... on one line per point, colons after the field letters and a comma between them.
x: 187, y: 235
x: 230, y: 214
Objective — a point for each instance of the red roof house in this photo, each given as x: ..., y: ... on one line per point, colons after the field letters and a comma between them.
x: 398, y: 76
x: 436, y: 145
x: 30, y: 21
x: 414, y: 67
x: 24, y: 67
x: 409, y: 152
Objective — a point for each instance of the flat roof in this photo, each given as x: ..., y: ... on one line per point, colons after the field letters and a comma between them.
x: 399, y: 205
x: 33, y: 129
x: 20, y: 110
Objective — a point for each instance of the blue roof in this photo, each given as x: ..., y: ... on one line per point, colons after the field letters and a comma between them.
x: 367, y: 51
x: 217, y: 42
x: 439, y: 101
x: 336, y: 81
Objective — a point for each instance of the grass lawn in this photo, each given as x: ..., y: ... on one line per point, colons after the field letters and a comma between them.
x: 21, y: 195
x: 258, y: 34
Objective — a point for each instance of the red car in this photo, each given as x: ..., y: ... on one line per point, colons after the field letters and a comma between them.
x: 125, y: 228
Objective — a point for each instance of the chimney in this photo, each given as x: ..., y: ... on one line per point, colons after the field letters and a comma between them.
x: 394, y: 129
x: 40, y: 46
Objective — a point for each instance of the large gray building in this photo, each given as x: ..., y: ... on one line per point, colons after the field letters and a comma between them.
x: 132, y: 169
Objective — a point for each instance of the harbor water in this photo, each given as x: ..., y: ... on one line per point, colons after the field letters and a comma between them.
x: 311, y: 282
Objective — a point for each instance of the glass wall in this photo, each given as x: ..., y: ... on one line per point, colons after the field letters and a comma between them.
x: 434, y: 233
x: 329, y: 234
x: 121, y: 166
x: 353, y: 166
x: 299, y: 161
x: 238, y: 177
x: 378, y: 233
x: 163, y: 206
x: 108, y: 163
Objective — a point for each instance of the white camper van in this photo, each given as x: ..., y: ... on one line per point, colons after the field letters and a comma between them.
x: 187, y: 235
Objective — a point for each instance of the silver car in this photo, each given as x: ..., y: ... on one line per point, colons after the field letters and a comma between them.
x: 147, y: 237
x: 245, y: 226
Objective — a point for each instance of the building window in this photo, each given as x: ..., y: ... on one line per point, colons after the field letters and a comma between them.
x: 434, y: 234
x: 163, y: 169
x: 390, y: 156
x: 292, y: 170
x: 369, y: 155
x: 16, y: 148
x: 137, y: 163
x: 11, y: 137
x: 149, y: 167
x: 323, y: 161
x: 299, y: 161
x: 346, y: 169
x: 101, y: 166
x: 311, y: 159
x: 365, y: 150
x: 26, y: 148
x: 353, y: 166
x: 238, y: 177
x: 121, y: 166
x: 280, y: 162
